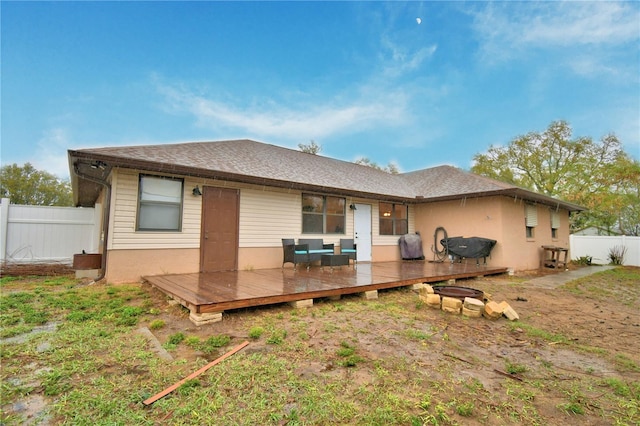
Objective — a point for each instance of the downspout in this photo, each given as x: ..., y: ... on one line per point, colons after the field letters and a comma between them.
x: 105, y: 216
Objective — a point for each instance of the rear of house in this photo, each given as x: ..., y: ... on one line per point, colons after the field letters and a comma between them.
x: 215, y: 206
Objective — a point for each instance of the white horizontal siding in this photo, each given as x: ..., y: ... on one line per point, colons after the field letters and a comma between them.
x: 124, y: 214
x: 266, y: 216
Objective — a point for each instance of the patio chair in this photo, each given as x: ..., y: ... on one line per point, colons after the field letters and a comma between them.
x: 294, y: 253
x: 348, y: 247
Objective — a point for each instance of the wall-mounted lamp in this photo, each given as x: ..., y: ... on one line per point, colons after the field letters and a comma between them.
x: 196, y: 191
x: 352, y: 207
x: 99, y: 165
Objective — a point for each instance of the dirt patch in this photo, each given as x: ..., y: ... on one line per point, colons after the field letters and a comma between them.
x: 574, y: 348
x: 571, y: 333
x: 604, y: 321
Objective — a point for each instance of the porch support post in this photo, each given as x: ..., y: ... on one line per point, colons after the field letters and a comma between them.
x: 370, y: 295
x: 4, y: 222
x: 306, y: 303
x: 206, y: 318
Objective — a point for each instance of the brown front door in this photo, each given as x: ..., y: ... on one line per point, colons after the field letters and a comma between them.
x: 219, y: 238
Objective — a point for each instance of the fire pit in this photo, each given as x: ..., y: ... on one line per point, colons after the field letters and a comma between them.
x: 458, y: 292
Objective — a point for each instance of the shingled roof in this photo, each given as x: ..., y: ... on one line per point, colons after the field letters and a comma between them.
x: 270, y: 165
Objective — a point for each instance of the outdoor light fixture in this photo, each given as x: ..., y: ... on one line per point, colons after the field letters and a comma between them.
x: 196, y: 191
x: 99, y: 165
x: 352, y: 207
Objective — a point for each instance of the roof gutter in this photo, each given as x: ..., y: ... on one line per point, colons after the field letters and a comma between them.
x: 515, y: 193
x: 105, y: 215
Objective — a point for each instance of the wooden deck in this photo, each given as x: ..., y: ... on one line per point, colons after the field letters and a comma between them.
x: 219, y: 291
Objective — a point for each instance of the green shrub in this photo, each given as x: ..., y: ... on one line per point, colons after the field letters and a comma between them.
x: 583, y: 260
x: 256, y: 332
x: 616, y: 255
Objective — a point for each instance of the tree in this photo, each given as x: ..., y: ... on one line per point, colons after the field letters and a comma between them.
x: 26, y: 185
x: 311, y: 148
x: 597, y: 175
x: 390, y: 168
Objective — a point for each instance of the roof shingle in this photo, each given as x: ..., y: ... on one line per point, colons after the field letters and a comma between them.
x: 251, y: 161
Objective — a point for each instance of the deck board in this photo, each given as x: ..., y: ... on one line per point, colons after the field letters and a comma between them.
x: 220, y: 291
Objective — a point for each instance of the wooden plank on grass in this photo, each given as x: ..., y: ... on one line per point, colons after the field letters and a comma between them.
x: 193, y: 375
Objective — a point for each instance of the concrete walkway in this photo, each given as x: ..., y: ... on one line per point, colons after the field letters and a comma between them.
x: 560, y: 278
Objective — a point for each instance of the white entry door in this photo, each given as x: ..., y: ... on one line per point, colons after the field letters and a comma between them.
x: 362, y: 231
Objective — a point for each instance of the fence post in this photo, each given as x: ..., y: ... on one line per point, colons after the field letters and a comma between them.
x: 97, y: 228
x: 4, y: 220
x: 571, y: 245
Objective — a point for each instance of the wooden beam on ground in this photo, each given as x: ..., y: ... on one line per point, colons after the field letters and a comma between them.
x: 193, y: 375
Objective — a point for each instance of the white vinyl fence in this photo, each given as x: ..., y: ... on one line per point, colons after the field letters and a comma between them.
x: 41, y: 234
x: 598, y: 247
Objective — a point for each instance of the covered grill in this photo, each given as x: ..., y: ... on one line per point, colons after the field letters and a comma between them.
x: 468, y: 248
x: 411, y: 247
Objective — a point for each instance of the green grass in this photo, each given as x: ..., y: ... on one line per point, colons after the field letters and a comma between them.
x: 176, y: 338
x: 539, y: 333
x: 352, y: 362
x: 515, y: 368
x: 157, y: 324
x: 624, y: 363
x: 277, y: 336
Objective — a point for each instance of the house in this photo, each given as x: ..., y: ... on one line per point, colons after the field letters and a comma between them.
x: 213, y: 206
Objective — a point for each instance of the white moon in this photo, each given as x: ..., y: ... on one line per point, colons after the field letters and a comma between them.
x: 419, y: 21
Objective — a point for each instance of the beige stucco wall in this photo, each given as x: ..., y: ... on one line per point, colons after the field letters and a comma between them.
x: 498, y: 218
x: 131, y: 265
x: 387, y: 253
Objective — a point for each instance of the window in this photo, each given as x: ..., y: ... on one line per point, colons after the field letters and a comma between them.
x: 531, y: 219
x: 394, y: 219
x: 322, y: 214
x: 555, y: 224
x: 159, y: 204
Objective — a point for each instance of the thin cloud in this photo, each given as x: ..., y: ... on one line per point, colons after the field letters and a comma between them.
x: 51, y: 152
x: 507, y: 29
x: 403, y: 61
x: 588, y: 66
x: 385, y: 99
x: 277, y: 121
x: 583, y: 23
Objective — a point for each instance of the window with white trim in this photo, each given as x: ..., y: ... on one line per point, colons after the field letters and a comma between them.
x: 531, y: 219
x: 159, y: 203
x: 555, y: 224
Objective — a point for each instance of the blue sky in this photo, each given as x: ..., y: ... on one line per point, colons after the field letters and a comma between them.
x: 418, y: 84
